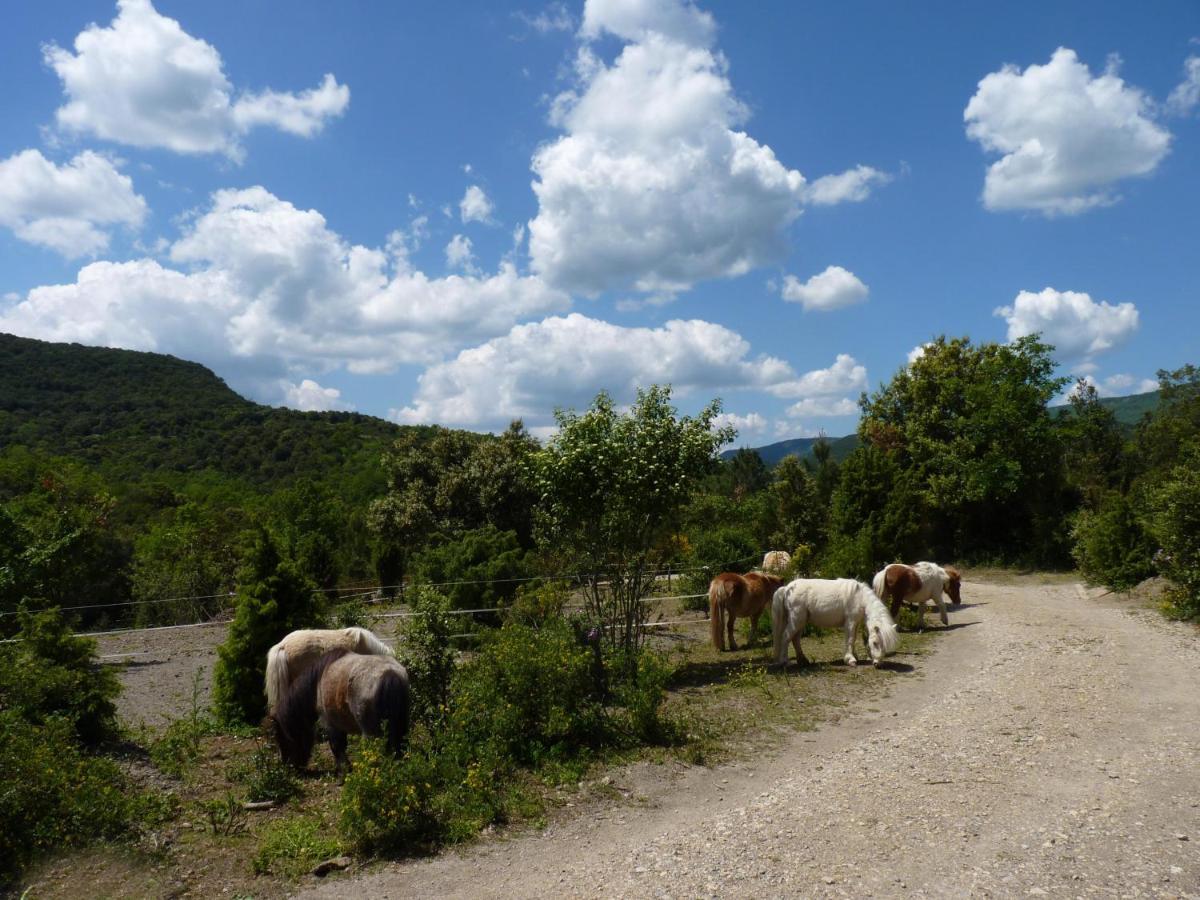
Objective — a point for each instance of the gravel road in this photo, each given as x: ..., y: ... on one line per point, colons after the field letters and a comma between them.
x: 1050, y: 747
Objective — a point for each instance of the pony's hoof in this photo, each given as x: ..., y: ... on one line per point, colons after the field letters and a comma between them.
x: 851, y: 661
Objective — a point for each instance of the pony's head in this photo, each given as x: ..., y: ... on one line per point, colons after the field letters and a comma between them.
x: 953, y: 585
x: 882, y: 637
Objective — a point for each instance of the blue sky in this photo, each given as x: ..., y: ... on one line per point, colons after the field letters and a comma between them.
x: 467, y: 213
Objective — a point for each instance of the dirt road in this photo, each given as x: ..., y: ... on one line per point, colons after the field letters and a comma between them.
x: 1051, y: 748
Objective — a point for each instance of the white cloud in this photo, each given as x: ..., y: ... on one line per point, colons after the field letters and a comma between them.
x: 459, y: 254
x: 475, y: 206
x: 823, y: 406
x: 1120, y: 385
x: 1077, y: 326
x: 654, y: 186
x: 1065, y: 138
x: 916, y: 353
x: 264, y: 290
x: 564, y: 361
x: 309, y: 396
x: 846, y: 375
x: 832, y: 289
x: 146, y: 82
x: 554, y: 17
x: 67, y: 208
x: 852, y: 186
x: 1186, y: 96
x: 750, y: 425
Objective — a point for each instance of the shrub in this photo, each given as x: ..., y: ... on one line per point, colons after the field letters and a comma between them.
x: 50, y: 673
x: 273, y: 599
x: 266, y: 776
x: 536, y: 605
x: 641, y: 699
x: 55, y: 795
x: 426, y: 652
x: 1110, y: 545
x: 530, y: 694
x: 730, y: 548
x: 1175, y: 522
x: 476, y: 571
x: 179, y: 745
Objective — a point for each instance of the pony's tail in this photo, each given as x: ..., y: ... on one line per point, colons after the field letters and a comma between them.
x: 779, y: 623
x: 879, y: 585
x: 716, y: 610
x: 277, y: 679
x: 393, y: 702
x: 370, y: 645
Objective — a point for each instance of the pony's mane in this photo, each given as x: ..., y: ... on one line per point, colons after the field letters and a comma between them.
x: 368, y: 644
x: 295, y: 715
x: 879, y: 617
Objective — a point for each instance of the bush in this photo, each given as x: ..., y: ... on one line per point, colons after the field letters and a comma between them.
x: 642, y: 701
x: 476, y: 571
x: 1110, y: 545
x: 292, y: 847
x: 179, y: 745
x: 273, y: 599
x: 57, y: 796
x: 1175, y: 522
x: 536, y: 605
x: 50, y: 673
x: 726, y: 549
x: 426, y: 652
x: 530, y: 695
x: 266, y: 776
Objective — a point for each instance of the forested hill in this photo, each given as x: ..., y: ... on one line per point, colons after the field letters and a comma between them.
x: 1127, y: 410
x: 133, y: 414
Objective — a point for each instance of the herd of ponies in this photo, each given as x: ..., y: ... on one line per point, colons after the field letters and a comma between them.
x: 350, y: 681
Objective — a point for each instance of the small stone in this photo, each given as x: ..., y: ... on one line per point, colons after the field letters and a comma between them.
x: 828, y: 879
x: 332, y: 865
x: 1181, y: 837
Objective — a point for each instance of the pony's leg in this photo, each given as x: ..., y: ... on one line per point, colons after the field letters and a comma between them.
x: 941, y: 602
x: 896, y: 603
x: 851, y: 630
x: 801, y: 659
x: 754, y: 628
x: 729, y: 621
x: 337, y: 745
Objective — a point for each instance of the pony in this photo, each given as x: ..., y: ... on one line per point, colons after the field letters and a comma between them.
x: 917, y: 583
x: 828, y: 603
x: 288, y: 659
x: 776, y: 561
x: 731, y: 595
x: 350, y: 693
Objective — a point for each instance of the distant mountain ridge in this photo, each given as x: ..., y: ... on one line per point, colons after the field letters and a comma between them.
x: 134, y: 414
x: 1128, y: 411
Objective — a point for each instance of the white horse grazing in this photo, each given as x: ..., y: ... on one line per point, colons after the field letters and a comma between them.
x: 827, y: 604
x: 300, y: 649
x: 916, y: 584
x: 776, y: 561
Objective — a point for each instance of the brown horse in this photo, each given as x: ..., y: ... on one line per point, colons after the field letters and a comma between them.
x: 350, y: 693
x: 731, y: 595
x: 917, y: 583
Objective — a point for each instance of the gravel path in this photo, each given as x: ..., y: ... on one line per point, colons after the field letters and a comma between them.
x: 1051, y: 748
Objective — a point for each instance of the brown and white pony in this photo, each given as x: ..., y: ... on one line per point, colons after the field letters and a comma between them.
x: 288, y: 659
x: 731, y: 595
x: 917, y: 583
x: 349, y: 693
x: 776, y: 561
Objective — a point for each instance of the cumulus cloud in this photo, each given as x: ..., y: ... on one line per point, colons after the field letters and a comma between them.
x: 67, y: 208
x: 916, y: 353
x: 1065, y: 137
x: 475, y: 206
x: 1186, y: 96
x: 1119, y: 385
x: 832, y: 289
x: 146, y: 82
x: 260, y: 289
x: 308, y: 396
x: 749, y: 425
x: 554, y: 17
x: 654, y: 186
x: 823, y: 406
x: 459, y: 254
x: 563, y: 361
x: 846, y: 375
x: 852, y: 186
x: 1076, y: 325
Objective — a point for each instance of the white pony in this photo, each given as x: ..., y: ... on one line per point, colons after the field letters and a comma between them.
x: 916, y: 584
x: 300, y: 649
x: 827, y: 604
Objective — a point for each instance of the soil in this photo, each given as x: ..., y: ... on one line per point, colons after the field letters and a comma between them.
x: 1052, y: 748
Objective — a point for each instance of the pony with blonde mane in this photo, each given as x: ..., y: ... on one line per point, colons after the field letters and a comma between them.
x: 288, y: 659
x: 827, y: 603
x: 349, y: 693
x: 916, y: 584
x: 776, y: 561
x: 731, y: 595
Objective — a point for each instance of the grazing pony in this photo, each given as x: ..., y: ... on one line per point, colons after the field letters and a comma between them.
x: 827, y: 604
x: 776, y: 561
x: 916, y: 584
x: 288, y: 659
x: 351, y: 694
x: 731, y: 595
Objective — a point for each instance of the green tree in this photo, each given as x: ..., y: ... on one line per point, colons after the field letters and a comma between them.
x: 1174, y: 505
x: 1093, y: 446
x: 798, y: 511
x: 750, y: 474
x: 273, y: 599
x: 306, y: 521
x: 478, y: 570
x: 876, y: 515
x: 970, y: 425
x: 611, y: 486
